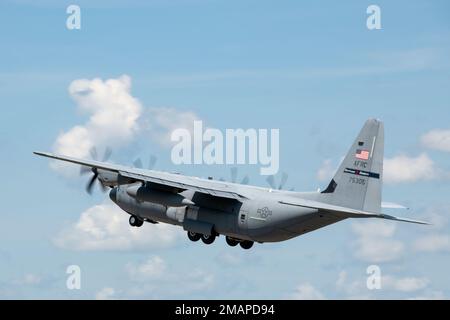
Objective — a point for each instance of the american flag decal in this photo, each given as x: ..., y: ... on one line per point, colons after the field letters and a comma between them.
x: 362, y: 154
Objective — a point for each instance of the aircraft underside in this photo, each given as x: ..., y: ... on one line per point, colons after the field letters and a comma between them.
x: 241, y: 223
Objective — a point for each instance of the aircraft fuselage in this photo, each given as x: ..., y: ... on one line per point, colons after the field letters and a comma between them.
x: 262, y: 220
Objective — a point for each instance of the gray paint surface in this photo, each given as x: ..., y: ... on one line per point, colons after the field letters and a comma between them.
x: 252, y: 213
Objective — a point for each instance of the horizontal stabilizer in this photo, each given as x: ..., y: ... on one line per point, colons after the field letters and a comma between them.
x: 392, y: 205
x: 344, y: 211
x: 386, y: 216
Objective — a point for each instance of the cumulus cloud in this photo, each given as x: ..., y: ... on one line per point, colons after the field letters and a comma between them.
x: 155, y: 278
x: 326, y: 171
x: 435, y: 240
x: 430, y: 295
x: 105, y: 227
x: 356, y: 288
x: 306, y: 291
x: 406, y: 284
x: 353, y: 288
x: 106, y: 293
x: 161, y: 122
x: 437, y: 139
x: 375, y: 242
x: 152, y: 268
x: 113, y: 116
x: 399, y: 169
x: 229, y: 259
x: 30, y: 279
x: 403, y: 168
x: 433, y: 243
x: 115, y: 119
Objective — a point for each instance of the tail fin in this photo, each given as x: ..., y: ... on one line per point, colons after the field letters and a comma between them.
x: 358, y: 181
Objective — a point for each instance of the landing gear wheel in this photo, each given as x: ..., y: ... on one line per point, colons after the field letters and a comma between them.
x: 246, y: 244
x: 139, y: 223
x: 132, y: 221
x: 194, y: 236
x: 135, y: 221
x: 231, y: 242
x: 208, y: 239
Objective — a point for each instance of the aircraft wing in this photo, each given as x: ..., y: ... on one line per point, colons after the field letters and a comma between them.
x: 163, y: 179
x: 344, y: 211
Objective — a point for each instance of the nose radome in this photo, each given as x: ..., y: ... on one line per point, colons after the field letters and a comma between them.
x: 113, y: 194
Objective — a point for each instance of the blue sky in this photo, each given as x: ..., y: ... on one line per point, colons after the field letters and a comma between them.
x: 313, y: 70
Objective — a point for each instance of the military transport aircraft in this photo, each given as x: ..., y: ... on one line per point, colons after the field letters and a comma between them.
x: 245, y: 214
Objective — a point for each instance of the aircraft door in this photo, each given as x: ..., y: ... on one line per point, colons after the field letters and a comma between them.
x: 242, y: 219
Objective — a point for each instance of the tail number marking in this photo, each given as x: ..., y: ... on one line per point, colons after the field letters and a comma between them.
x: 355, y: 180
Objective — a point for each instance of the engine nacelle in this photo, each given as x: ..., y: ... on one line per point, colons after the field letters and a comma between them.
x: 165, y: 198
x: 108, y: 178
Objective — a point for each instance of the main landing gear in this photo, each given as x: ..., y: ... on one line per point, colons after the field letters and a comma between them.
x: 194, y: 236
x: 135, y: 221
x: 206, y: 239
x: 231, y: 242
x: 245, y: 244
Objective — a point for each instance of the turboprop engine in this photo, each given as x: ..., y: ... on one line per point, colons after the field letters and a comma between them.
x: 165, y: 198
x: 107, y: 178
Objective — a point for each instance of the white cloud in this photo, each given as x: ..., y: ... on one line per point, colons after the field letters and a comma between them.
x: 409, y: 169
x: 375, y: 241
x: 115, y: 119
x: 113, y: 116
x: 430, y: 295
x: 357, y: 288
x: 354, y: 289
x: 228, y: 259
x: 438, y: 216
x: 433, y: 243
x: 160, y: 122
x: 349, y: 287
x: 326, y: 171
x: 105, y: 227
x: 30, y: 279
x: 437, y: 139
x: 155, y: 278
x: 306, y: 292
x: 407, y: 284
x: 342, y: 279
x: 105, y: 294
x: 398, y: 169
x: 435, y: 240
x: 152, y: 268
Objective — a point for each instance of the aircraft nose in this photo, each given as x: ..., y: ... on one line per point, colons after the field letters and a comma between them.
x: 113, y: 194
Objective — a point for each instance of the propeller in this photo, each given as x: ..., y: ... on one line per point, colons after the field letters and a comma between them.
x: 284, y: 178
x: 234, y: 177
x: 151, y: 163
x: 85, y: 170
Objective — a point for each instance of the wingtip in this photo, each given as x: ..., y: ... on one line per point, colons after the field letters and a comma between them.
x: 42, y: 154
x: 385, y: 216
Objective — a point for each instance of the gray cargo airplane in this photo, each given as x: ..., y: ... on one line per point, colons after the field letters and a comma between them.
x: 245, y: 214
